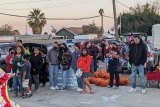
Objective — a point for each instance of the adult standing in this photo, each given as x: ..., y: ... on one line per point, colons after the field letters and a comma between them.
x: 103, y: 48
x: 107, y: 53
x: 36, y: 63
x: 75, y: 56
x: 17, y: 62
x: 53, y: 57
x: 137, y: 58
x: 97, y: 51
x: 113, y: 64
x: 66, y: 63
x: 9, y: 66
x: 88, y: 45
x: 44, y: 72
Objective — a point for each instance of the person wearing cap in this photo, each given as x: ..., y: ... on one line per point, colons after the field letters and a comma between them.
x: 137, y: 58
x: 113, y: 64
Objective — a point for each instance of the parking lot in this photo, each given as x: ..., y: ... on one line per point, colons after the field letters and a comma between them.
x: 103, y: 97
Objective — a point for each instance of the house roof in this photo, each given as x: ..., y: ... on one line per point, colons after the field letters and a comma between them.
x: 74, y: 30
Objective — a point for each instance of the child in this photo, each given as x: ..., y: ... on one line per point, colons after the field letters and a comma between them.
x: 84, y: 62
x: 17, y: 62
x: 26, y: 77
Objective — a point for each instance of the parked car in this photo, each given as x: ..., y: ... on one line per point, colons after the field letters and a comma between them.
x: 4, y: 51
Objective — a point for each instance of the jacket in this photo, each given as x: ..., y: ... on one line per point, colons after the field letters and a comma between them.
x: 66, y: 60
x: 36, y: 63
x: 9, y: 65
x: 53, y: 56
x: 138, y: 54
x: 17, y: 64
x: 75, y: 56
x: 84, y: 62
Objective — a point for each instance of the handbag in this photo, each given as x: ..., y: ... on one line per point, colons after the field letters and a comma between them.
x: 79, y: 73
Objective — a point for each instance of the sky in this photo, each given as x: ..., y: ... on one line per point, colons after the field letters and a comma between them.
x: 62, y: 9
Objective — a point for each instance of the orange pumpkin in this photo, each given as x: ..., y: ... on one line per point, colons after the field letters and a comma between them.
x: 93, y: 80
x: 126, y: 81
x: 101, y: 74
x: 104, y: 83
x: 106, y: 76
x: 95, y: 74
x: 103, y: 70
x: 98, y: 81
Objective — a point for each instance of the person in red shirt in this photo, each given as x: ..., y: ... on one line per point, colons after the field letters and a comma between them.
x: 84, y: 63
x: 8, y: 58
x: 9, y: 66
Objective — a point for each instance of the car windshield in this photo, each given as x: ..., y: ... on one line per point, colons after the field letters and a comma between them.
x: 3, y: 51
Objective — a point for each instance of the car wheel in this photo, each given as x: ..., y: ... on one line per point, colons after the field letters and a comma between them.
x: 148, y: 84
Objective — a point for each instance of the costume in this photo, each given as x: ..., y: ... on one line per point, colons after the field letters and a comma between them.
x: 4, y: 98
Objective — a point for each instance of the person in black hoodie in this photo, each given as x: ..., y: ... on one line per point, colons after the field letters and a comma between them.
x: 36, y: 65
x: 137, y: 59
x: 44, y: 73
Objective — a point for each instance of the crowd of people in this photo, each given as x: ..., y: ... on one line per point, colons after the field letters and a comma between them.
x: 36, y: 67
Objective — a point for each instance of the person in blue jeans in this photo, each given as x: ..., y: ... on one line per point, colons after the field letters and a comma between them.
x: 137, y: 58
x: 53, y: 58
x: 66, y: 59
x: 75, y: 56
x: 17, y: 62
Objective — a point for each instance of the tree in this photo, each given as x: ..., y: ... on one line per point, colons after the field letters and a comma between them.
x: 91, y: 28
x: 36, y: 21
x: 6, y: 29
x: 140, y: 19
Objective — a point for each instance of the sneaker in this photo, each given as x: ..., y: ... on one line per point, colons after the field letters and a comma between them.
x: 132, y: 90
x: 79, y: 89
x: 27, y: 95
x: 56, y: 87
x: 52, y: 88
x: 62, y: 89
x: 116, y: 87
x: 110, y: 87
x: 143, y: 91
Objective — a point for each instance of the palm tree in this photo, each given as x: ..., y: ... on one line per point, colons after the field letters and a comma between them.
x: 36, y: 21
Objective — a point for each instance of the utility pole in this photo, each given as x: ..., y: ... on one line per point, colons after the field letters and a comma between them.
x: 101, y: 11
x: 115, y: 20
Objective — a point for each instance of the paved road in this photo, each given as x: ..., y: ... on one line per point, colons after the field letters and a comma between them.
x: 103, y: 97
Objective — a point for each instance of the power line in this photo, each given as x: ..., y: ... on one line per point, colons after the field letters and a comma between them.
x: 125, y: 5
x: 64, y: 4
x: 24, y: 2
x: 51, y: 18
x: 122, y: 4
x: 108, y: 16
x: 82, y: 18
